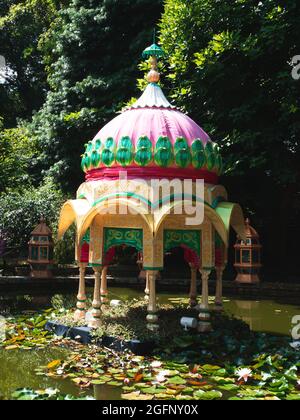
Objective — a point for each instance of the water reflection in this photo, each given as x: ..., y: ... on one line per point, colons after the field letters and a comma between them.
x: 264, y: 315
x: 17, y: 370
x: 107, y: 392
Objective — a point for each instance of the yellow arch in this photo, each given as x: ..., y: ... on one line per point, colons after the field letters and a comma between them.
x: 71, y: 212
x: 225, y: 215
x: 86, y: 222
x: 208, y: 211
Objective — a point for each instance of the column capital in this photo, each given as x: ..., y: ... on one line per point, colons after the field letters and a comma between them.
x: 82, y: 265
x: 156, y: 269
x: 152, y: 273
x: 97, y: 268
x: 205, y: 273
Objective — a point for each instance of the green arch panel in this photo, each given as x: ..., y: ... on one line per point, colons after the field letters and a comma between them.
x: 190, y: 238
x: 121, y: 236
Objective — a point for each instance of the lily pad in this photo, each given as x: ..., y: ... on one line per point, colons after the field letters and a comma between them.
x: 208, y: 395
x: 176, y: 380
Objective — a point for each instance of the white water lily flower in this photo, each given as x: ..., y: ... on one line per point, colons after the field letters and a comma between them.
x: 295, y: 345
x: 156, y: 364
x: 51, y: 391
x: 161, y: 376
x: 244, y: 374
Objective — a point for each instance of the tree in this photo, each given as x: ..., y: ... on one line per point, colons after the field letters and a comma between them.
x: 228, y: 66
x: 91, y: 51
x: 22, y: 25
x: 20, y: 212
x: 16, y: 154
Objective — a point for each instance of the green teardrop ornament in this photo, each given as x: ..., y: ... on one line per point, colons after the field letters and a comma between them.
x: 108, y: 157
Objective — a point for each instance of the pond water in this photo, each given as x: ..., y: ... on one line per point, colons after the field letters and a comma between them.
x: 17, y: 367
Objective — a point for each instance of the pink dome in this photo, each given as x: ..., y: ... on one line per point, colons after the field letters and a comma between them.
x: 152, y: 139
x: 153, y: 123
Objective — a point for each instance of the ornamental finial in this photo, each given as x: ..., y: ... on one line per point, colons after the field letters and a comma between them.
x: 154, y: 52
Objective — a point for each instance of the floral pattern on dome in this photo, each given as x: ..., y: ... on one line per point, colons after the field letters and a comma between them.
x: 106, y: 153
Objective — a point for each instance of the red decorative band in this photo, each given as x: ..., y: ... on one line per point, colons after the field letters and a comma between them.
x: 133, y: 172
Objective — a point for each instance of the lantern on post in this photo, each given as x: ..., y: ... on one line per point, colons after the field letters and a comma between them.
x: 41, y: 251
x: 248, y: 256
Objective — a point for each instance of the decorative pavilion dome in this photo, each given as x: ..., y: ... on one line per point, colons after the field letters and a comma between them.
x: 152, y: 139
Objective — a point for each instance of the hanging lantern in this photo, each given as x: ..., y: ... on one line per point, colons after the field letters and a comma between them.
x: 41, y: 251
x: 248, y: 256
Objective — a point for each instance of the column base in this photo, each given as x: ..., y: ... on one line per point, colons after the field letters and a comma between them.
x: 204, y: 325
x: 79, y: 314
x: 219, y: 306
x: 193, y: 303
x: 104, y: 300
x: 152, y: 322
x: 95, y: 323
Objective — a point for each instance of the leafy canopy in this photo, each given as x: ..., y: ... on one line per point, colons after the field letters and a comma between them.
x: 228, y: 66
x: 91, y: 51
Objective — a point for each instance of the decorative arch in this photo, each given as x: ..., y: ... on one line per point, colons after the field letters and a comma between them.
x: 231, y: 214
x: 215, y: 219
x: 103, y: 208
x: 72, y: 211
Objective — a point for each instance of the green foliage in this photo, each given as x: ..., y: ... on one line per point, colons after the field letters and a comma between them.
x: 227, y: 66
x: 22, y: 25
x: 20, y: 211
x: 91, y: 51
x: 16, y: 154
x: 48, y: 394
x: 184, y: 365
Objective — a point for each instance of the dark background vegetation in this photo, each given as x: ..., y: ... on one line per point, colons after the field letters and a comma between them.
x: 74, y: 63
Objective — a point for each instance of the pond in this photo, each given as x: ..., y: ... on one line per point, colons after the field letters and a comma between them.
x: 17, y: 367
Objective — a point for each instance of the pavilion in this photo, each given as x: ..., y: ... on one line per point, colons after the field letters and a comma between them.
x: 151, y: 143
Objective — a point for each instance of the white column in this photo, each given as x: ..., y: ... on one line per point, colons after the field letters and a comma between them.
x: 103, y: 289
x: 96, y: 312
x: 204, y: 315
x: 147, y: 290
x: 81, y: 297
x: 152, y: 318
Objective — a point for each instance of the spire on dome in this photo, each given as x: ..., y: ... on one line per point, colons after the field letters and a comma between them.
x: 153, y: 96
x: 153, y: 52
